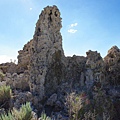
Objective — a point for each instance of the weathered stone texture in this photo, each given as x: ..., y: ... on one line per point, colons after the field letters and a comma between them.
x: 24, y: 57
x: 47, y: 50
x: 19, y: 82
x: 94, y: 74
x: 8, y: 67
x: 112, y: 64
x: 75, y: 67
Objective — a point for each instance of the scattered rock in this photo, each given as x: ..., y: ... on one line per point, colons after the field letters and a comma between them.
x: 16, y: 81
x: 51, y: 101
x: 8, y: 67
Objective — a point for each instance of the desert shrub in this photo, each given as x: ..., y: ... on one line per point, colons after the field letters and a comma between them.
x: 100, y: 107
x: 8, y: 116
x: 25, y: 112
x: 89, y: 115
x: 5, y: 96
x: 74, y: 104
x: 44, y: 117
x: 103, y: 105
x: 2, y: 75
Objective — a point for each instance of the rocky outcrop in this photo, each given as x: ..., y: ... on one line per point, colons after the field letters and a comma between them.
x: 18, y: 81
x: 24, y: 58
x: 48, y: 65
x: 20, y: 98
x: 112, y: 64
x: 75, y: 67
x: 8, y: 67
x: 44, y: 76
x: 47, y: 53
x: 94, y: 68
x: 85, y: 71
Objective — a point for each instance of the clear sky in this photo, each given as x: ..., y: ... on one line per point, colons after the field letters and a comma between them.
x: 87, y: 25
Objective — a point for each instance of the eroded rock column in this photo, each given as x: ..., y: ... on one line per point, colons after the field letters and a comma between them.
x: 47, y: 49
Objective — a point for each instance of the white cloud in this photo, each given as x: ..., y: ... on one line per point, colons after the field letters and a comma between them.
x: 72, y: 31
x: 31, y: 8
x: 74, y: 24
x: 5, y: 58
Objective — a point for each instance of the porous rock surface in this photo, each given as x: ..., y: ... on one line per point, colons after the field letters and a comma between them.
x: 47, y: 54
x: 24, y: 57
x: 112, y: 62
x: 49, y: 67
x: 8, y: 67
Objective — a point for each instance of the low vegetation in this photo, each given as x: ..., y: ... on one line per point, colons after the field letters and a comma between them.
x: 75, y: 104
x: 2, y: 75
x: 25, y: 113
x: 8, y: 116
x: 44, y: 117
x: 5, y: 96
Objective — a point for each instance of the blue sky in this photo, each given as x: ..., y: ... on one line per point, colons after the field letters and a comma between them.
x: 87, y: 25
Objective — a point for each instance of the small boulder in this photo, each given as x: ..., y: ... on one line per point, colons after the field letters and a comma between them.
x: 51, y: 101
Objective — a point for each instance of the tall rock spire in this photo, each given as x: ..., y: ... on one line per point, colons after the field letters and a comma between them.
x: 46, y: 53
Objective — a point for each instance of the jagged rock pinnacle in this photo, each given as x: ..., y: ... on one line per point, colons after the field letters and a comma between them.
x: 47, y: 48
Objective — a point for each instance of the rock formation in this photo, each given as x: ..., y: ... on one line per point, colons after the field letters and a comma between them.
x: 44, y: 76
x: 8, y: 67
x: 48, y: 66
x: 47, y: 53
x: 95, y: 67
x: 112, y: 62
x: 24, y: 58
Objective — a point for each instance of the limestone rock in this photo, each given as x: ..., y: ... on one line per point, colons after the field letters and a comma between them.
x: 74, y: 67
x: 24, y: 57
x: 8, y: 67
x: 112, y: 63
x: 94, y: 69
x: 16, y: 81
x: 47, y: 53
x: 21, y: 98
x: 94, y: 60
x: 51, y: 101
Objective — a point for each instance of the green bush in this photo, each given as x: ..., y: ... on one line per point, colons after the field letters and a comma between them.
x: 25, y: 113
x: 7, y: 116
x: 5, y: 96
x: 44, y: 117
x: 74, y: 104
x: 2, y: 75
